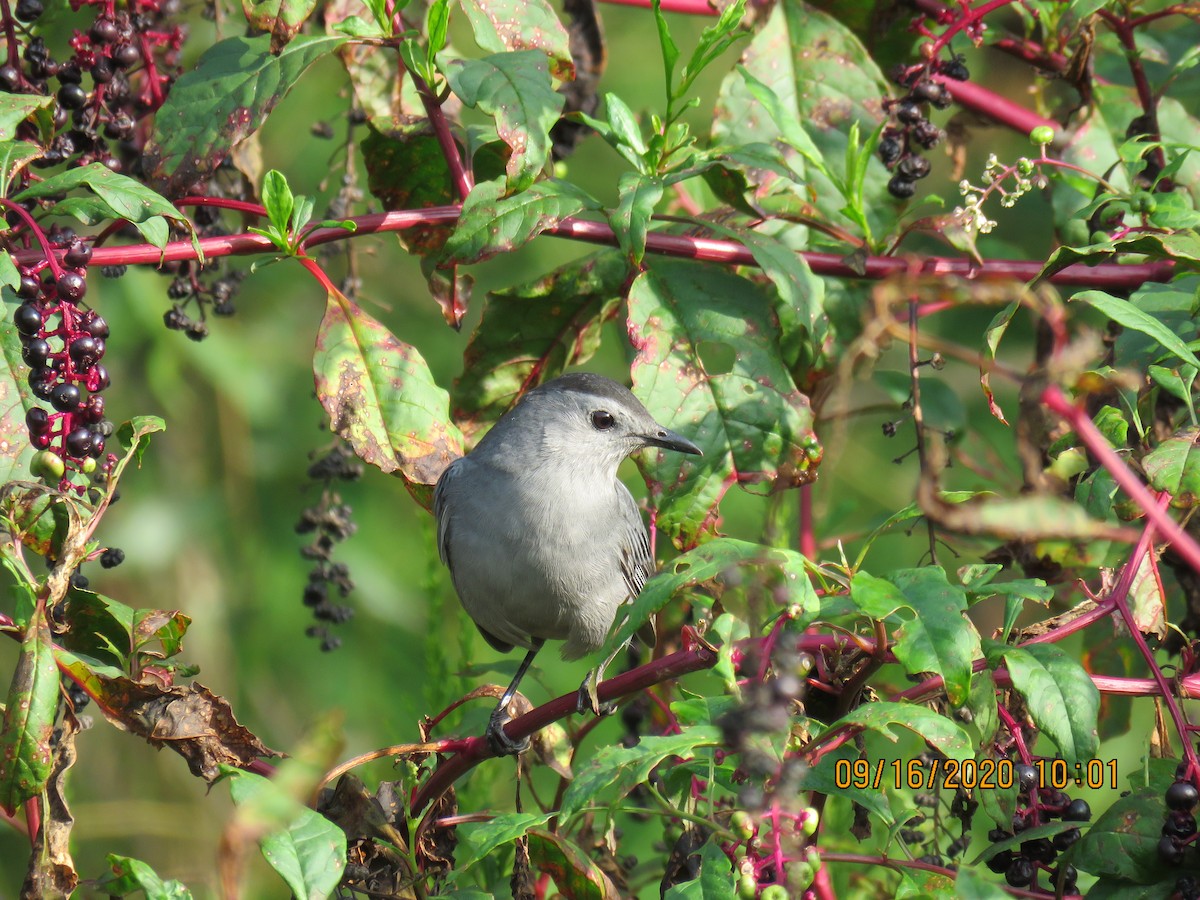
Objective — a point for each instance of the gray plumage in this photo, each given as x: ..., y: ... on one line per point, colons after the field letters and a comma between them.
x: 542, y: 540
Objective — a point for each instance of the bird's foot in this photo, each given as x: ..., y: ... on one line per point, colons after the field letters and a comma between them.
x: 497, y: 737
x: 588, y: 699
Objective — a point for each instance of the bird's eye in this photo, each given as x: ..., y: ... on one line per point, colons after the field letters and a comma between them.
x: 602, y: 420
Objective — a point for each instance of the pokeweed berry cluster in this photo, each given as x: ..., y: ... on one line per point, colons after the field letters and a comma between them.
x: 63, y: 342
x: 118, y: 72
x: 910, y: 130
x: 1038, y: 805
x: 1179, y: 829
x: 329, y: 521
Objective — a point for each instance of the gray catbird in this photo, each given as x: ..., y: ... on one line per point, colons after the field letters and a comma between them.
x: 542, y: 541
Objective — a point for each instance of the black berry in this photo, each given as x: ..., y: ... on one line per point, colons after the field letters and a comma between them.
x: 1169, y: 851
x: 908, y: 112
x: 79, y: 442
x: 1020, y: 872
x: 37, y: 420
x: 29, y: 10
x: 71, y: 286
x: 1077, y: 811
x: 95, y: 325
x: 78, y: 255
x: 27, y: 319
x: 901, y: 188
x: 72, y: 96
x: 35, y: 353
x: 112, y: 557
x: 1182, y: 795
x: 1027, y: 777
x: 65, y: 397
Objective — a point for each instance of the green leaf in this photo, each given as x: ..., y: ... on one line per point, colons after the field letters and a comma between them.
x: 1062, y: 700
x: 714, y: 40
x: 279, y: 18
x: 306, y: 849
x: 715, y: 882
x: 1122, y: 843
x: 127, y: 876
x: 1176, y: 382
x: 810, y: 80
x: 123, y: 198
x: 220, y: 103
x: 1130, y: 316
x: 731, y: 563
x: 708, y: 365
x: 823, y: 778
x: 501, y: 25
x: 937, y: 637
x: 515, y: 89
x: 14, y: 156
x: 614, y: 771
x: 637, y: 195
x: 480, y: 839
x: 626, y: 133
x: 16, y: 108
x: 801, y: 293
x: 491, y: 223
x: 278, y: 200
x: 670, y: 52
x: 26, y: 757
x: 381, y: 397
x: 1174, y: 466
x: 15, y: 399
x: 533, y: 332
x: 882, y: 717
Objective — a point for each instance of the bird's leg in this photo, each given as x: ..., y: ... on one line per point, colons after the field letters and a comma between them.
x: 587, y: 698
x: 497, y: 737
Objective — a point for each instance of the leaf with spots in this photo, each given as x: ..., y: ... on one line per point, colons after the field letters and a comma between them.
x: 1121, y: 846
x: 15, y: 399
x: 570, y: 866
x: 708, y: 364
x: 221, y: 102
x: 26, y: 759
x: 1062, y: 699
x: 381, y: 397
x: 515, y: 89
x: 925, y: 614
x: 1174, y: 466
x: 501, y: 25
x: 534, y: 331
x: 637, y: 195
x: 279, y: 18
x: 817, y: 80
x: 491, y: 223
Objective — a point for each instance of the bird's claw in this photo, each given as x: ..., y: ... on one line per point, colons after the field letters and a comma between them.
x: 498, y: 739
x: 587, y: 699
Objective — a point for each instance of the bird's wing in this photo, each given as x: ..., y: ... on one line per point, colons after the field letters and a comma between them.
x: 441, y: 510
x: 637, y: 564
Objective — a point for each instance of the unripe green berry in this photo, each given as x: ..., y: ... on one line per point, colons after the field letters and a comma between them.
x: 1143, y: 202
x: 742, y: 825
x: 47, y: 464
x: 1041, y: 135
x: 774, y: 892
x: 1025, y: 166
x: 747, y: 888
x: 811, y: 820
x: 800, y: 875
x: 88, y: 466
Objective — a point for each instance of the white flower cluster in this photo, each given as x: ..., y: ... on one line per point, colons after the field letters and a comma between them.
x: 970, y: 215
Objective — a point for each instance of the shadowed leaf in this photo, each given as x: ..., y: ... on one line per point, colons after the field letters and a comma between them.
x: 26, y: 758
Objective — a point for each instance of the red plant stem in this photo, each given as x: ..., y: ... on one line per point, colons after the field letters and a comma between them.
x: 999, y: 109
x: 476, y: 749
x: 1120, y: 596
x: 463, y: 182
x: 966, y: 18
x: 1032, y: 53
x: 1125, y: 34
x: 1110, y: 275
x: 688, y: 7
x: 31, y: 257
x: 1053, y: 398
x: 808, y: 535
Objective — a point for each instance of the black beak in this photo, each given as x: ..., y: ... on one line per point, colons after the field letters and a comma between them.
x: 669, y: 440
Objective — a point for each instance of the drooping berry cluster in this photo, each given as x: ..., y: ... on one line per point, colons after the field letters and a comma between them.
x: 329, y: 521
x: 928, y: 834
x: 910, y: 128
x: 1038, y: 805
x: 1179, y: 829
x: 189, y: 288
x: 63, y: 342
